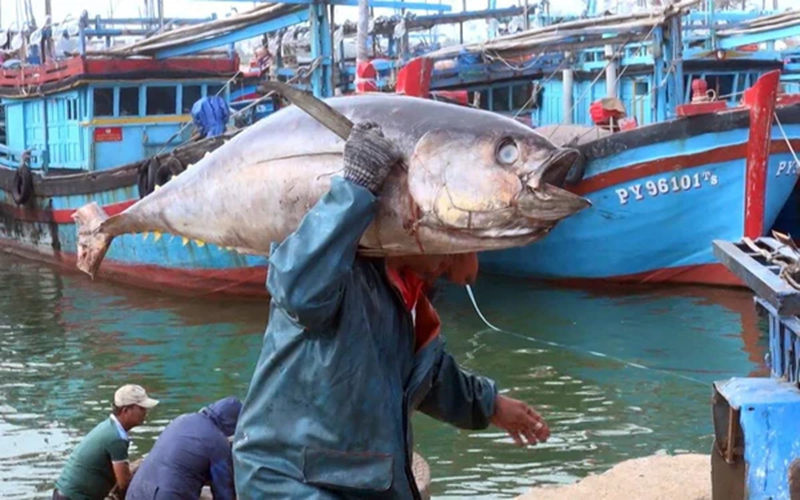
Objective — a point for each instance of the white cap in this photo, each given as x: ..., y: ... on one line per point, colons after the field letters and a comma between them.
x: 131, y: 394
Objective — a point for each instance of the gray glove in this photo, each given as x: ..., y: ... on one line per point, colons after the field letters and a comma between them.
x: 368, y: 156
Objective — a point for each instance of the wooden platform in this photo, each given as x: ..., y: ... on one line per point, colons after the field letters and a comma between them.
x: 657, y: 477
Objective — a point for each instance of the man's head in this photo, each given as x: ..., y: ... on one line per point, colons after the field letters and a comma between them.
x: 131, y: 403
x: 225, y: 414
x: 461, y: 269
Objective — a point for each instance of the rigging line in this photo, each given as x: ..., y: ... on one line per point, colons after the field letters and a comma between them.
x: 534, y: 95
x: 600, y: 74
x: 577, y: 349
x: 785, y: 137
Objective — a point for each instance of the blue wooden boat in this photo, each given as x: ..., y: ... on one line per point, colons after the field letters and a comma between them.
x: 110, y: 129
x: 674, y: 177
x: 663, y: 190
x: 660, y: 194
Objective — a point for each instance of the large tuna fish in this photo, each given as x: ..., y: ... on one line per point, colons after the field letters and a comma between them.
x: 471, y: 180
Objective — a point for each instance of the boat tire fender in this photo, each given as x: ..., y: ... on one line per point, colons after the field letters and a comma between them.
x: 23, y: 185
x: 146, y: 177
x: 576, y: 173
x: 172, y: 167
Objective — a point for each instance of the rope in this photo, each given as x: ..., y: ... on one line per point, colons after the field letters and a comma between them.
x: 546, y: 80
x: 579, y: 350
x: 187, y: 124
x: 600, y: 75
x: 789, y: 268
x: 301, y: 73
x: 786, y: 138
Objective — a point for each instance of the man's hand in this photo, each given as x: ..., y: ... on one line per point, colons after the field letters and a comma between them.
x: 368, y: 156
x: 122, y: 472
x: 519, y: 420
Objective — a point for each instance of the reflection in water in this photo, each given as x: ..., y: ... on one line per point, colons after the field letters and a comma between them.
x: 66, y: 343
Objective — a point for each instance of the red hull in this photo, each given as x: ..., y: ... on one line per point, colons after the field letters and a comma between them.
x: 241, y: 282
x: 707, y: 274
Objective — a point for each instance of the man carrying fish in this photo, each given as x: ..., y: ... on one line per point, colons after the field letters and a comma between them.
x: 352, y: 348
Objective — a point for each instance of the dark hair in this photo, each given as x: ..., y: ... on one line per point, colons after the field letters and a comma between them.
x: 117, y: 410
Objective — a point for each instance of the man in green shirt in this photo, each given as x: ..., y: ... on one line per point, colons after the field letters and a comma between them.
x: 101, y: 459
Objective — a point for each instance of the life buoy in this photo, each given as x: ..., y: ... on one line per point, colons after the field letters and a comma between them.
x: 22, y: 190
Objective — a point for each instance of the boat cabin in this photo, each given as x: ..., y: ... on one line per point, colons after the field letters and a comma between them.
x: 100, y: 104
x: 105, y: 123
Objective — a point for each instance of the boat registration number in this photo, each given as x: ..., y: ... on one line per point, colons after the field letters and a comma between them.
x: 787, y: 168
x: 665, y: 186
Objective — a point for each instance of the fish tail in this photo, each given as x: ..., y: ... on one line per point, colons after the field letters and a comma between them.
x: 93, y: 241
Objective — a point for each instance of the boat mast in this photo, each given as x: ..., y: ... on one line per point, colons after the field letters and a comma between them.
x: 361, y: 41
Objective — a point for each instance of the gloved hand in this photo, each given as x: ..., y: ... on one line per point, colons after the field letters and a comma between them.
x: 368, y: 156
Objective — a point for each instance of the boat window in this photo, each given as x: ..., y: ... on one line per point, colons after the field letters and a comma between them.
x: 484, y: 104
x: 722, y: 85
x: 500, y: 99
x: 214, y: 90
x: 641, y: 88
x: 103, y: 102
x: 72, y: 109
x: 191, y: 94
x: 129, y: 101
x: 521, y: 97
x: 162, y: 100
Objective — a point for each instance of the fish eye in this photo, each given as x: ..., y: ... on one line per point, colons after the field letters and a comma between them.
x: 507, y: 152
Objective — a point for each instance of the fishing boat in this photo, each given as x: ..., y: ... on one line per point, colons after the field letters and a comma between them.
x: 108, y: 125
x: 669, y: 161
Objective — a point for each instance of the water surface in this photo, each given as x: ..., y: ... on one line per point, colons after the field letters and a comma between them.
x: 66, y: 343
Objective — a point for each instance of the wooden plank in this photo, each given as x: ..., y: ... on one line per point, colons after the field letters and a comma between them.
x: 765, y: 283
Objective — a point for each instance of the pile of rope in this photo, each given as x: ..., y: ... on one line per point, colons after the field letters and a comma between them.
x: 786, y: 257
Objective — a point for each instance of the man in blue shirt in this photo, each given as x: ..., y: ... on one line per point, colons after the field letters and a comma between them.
x: 192, y: 451
x: 351, y: 350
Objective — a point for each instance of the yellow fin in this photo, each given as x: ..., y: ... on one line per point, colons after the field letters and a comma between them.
x: 200, y: 243
x: 185, y: 240
x: 156, y: 235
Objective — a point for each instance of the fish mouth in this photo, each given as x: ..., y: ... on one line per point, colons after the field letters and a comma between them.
x: 549, y: 203
x: 557, y: 168
x: 506, y: 233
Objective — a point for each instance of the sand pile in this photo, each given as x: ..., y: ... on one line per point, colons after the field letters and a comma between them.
x: 657, y: 477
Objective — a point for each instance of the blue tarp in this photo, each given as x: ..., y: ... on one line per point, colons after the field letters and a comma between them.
x: 210, y: 115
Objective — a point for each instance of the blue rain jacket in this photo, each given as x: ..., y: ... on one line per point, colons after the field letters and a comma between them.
x: 327, y: 414
x: 210, y: 115
x: 193, y: 450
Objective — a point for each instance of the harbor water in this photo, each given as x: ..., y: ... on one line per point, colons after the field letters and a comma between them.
x: 66, y: 343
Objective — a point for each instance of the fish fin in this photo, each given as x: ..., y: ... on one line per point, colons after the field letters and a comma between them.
x: 156, y: 235
x: 93, y: 242
x: 185, y: 240
x: 200, y: 243
x: 144, y: 236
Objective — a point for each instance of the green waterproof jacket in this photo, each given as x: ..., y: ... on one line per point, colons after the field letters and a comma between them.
x: 327, y: 414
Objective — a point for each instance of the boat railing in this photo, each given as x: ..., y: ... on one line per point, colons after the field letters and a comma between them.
x: 14, y: 159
